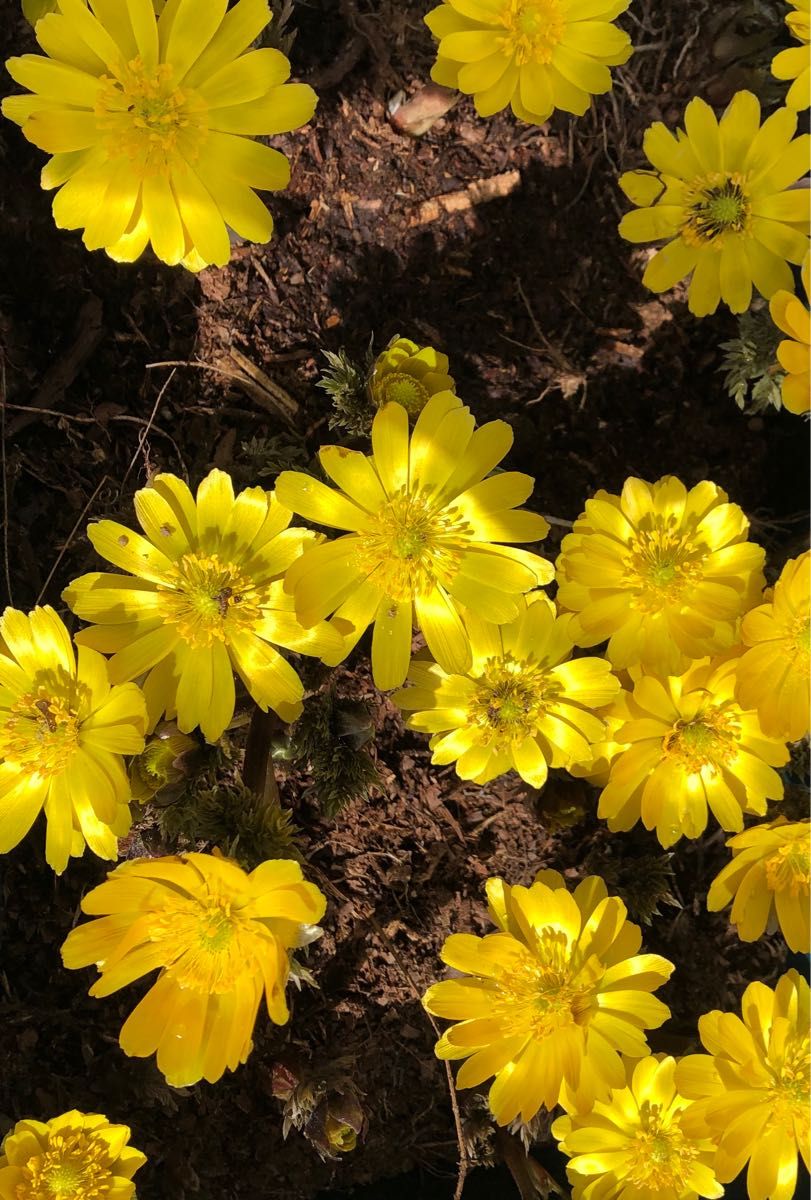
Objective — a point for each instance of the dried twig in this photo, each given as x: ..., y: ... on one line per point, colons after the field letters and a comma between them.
x: 145, y: 431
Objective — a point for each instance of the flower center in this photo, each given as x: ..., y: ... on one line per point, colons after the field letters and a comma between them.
x: 788, y: 868
x: 148, y: 118
x: 660, y: 565
x: 74, y: 1167
x: 403, y: 389
x: 716, y: 205
x: 418, y: 543
x: 511, y: 698
x: 534, y: 29
x: 791, y: 1093
x: 710, y: 740
x: 208, y: 947
x: 537, y: 994
x: 661, y: 1156
x: 210, y: 600
x: 41, y: 731
x: 799, y: 642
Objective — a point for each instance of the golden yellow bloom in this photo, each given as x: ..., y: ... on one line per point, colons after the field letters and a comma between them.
x: 551, y: 1001
x: 535, y: 55
x: 774, y: 672
x: 63, y: 731
x: 794, y: 355
x: 410, y: 375
x: 690, y: 747
x: 205, y: 598
x: 151, y: 122
x: 752, y: 1088
x: 661, y: 572
x: 424, y: 525
x: 219, y: 937
x: 720, y: 196
x: 767, y: 882
x: 78, y: 1156
x: 522, y: 706
x: 633, y: 1144
x: 794, y: 63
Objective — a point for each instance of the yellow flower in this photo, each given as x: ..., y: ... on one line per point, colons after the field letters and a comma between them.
x: 409, y: 374
x: 424, y: 523
x: 752, y: 1088
x: 794, y: 63
x: 550, y: 1002
x: 522, y: 706
x: 794, y: 355
x: 773, y: 674
x: 78, y: 1156
x: 151, y: 122
x: 34, y: 9
x: 535, y: 55
x: 633, y: 1145
x: 205, y: 597
x: 690, y: 747
x: 162, y: 763
x: 720, y: 196
x: 662, y: 572
x: 767, y: 882
x: 63, y: 731
x: 219, y: 937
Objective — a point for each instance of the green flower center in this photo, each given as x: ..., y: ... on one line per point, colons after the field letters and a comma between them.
x: 148, y: 118
x: 534, y: 29
x: 210, y: 599
x: 788, y: 869
x: 660, y: 1155
x: 511, y: 698
x: 404, y: 389
x: 661, y: 563
x: 717, y: 206
x: 40, y: 732
x: 74, y: 1167
x: 710, y: 740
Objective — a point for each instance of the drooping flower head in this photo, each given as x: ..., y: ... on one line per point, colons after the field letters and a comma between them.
x: 78, y: 1156
x: 633, y: 1145
x: 63, y: 731
x: 794, y: 353
x: 767, y: 882
x: 424, y: 525
x: 522, y: 705
x: 204, y: 598
x: 719, y: 195
x: 690, y: 748
x: 151, y: 121
x: 774, y: 673
x: 548, y: 1003
x: 662, y: 573
x: 408, y: 374
x: 219, y: 937
x: 535, y: 55
x: 167, y: 760
x: 794, y: 63
x: 753, y: 1087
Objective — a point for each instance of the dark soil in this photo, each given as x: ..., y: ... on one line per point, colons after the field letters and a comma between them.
x: 538, y: 303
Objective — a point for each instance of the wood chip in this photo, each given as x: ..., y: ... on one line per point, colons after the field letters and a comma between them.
x: 478, y: 192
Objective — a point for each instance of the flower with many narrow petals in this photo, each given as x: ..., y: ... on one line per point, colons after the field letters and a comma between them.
x: 633, y: 1145
x: 794, y: 63
x: 690, y: 747
x: 774, y: 672
x: 524, y: 705
x: 767, y: 882
x: 410, y: 375
x: 663, y: 573
x: 151, y: 121
x: 204, y: 598
x: 424, y: 517
x: 752, y: 1087
x: 63, y: 731
x: 550, y: 1002
x: 720, y: 195
x: 78, y: 1156
x: 220, y: 938
x: 535, y: 55
x: 792, y: 317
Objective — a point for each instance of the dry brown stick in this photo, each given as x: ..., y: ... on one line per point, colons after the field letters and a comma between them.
x: 395, y: 953
x: 6, y: 562
x: 66, y: 544
x: 145, y: 431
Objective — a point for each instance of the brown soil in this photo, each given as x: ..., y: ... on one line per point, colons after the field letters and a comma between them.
x: 539, y: 304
